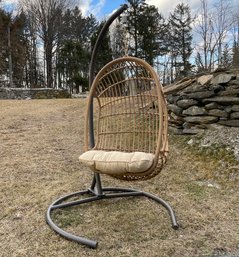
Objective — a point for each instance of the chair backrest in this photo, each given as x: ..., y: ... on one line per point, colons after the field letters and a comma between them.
x: 130, y: 113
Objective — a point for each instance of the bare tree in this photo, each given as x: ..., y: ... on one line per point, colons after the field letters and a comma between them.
x: 119, y: 38
x: 236, y: 27
x: 235, y: 34
x: 47, y: 18
x: 223, y: 21
x: 212, y: 27
x: 205, y: 31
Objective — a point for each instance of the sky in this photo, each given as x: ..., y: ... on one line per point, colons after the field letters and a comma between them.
x: 103, y: 8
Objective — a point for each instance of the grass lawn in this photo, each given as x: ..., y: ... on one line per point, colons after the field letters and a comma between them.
x: 39, y: 147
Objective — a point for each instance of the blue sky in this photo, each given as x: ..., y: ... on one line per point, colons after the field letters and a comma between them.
x: 99, y: 8
x: 111, y: 5
x: 102, y: 8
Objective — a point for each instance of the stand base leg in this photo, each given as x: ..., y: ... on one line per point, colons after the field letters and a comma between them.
x: 107, y: 193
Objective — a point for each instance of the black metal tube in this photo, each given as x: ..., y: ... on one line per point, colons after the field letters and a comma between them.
x: 110, y: 192
x: 92, y: 65
x: 166, y: 205
x: 76, y: 202
x: 99, y: 39
x: 88, y: 242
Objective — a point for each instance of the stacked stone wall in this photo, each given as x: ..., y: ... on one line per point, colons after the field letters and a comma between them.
x: 194, y: 104
x: 38, y: 93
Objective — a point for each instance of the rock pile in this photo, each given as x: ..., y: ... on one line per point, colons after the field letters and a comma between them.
x: 196, y: 103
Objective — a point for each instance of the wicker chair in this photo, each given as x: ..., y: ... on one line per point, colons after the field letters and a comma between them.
x: 130, y: 120
x: 125, y: 136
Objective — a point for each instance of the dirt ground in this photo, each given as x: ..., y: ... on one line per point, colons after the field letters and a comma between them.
x: 40, y: 141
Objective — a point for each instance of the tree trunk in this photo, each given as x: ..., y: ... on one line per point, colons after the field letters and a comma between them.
x: 10, y: 55
x: 49, y: 55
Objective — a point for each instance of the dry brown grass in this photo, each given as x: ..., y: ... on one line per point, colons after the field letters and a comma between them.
x: 39, y: 148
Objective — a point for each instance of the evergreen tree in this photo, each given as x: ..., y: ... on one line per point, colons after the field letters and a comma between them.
x: 73, y: 49
x: 181, y: 38
x: 147, y: 30
x: 3, y: 42
x: 12, y: 47
x: 77, y: 27
x: 133, y: 25
x: 105, y: 51
x: 18, y: 48
x: 33, y: 72
x: 150, y: 33
x: 235, y: 56
x: 226, y: 61
x: 162, y: 35
x: 72, y: 58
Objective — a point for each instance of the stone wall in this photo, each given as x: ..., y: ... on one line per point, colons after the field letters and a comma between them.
x: 36, y: 93
x: 196, y: 103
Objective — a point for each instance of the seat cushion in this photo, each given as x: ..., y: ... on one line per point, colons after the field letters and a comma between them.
x: 113, y: 162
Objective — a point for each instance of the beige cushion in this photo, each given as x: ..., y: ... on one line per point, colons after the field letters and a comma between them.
x: 113, y: 162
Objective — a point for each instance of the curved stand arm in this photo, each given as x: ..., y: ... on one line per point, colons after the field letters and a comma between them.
x: 99, y: 39
x: 107, y: 193
x: 92, y: 65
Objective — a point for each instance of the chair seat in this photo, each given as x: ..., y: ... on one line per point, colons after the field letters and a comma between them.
x: 115, y: 162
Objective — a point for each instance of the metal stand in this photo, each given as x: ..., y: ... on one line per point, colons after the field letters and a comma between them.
x: 96, y: 192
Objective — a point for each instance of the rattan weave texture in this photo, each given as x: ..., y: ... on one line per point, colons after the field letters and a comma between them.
x: 130, y: 112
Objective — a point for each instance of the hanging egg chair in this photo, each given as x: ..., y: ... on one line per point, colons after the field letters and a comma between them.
x: 125, y: 133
